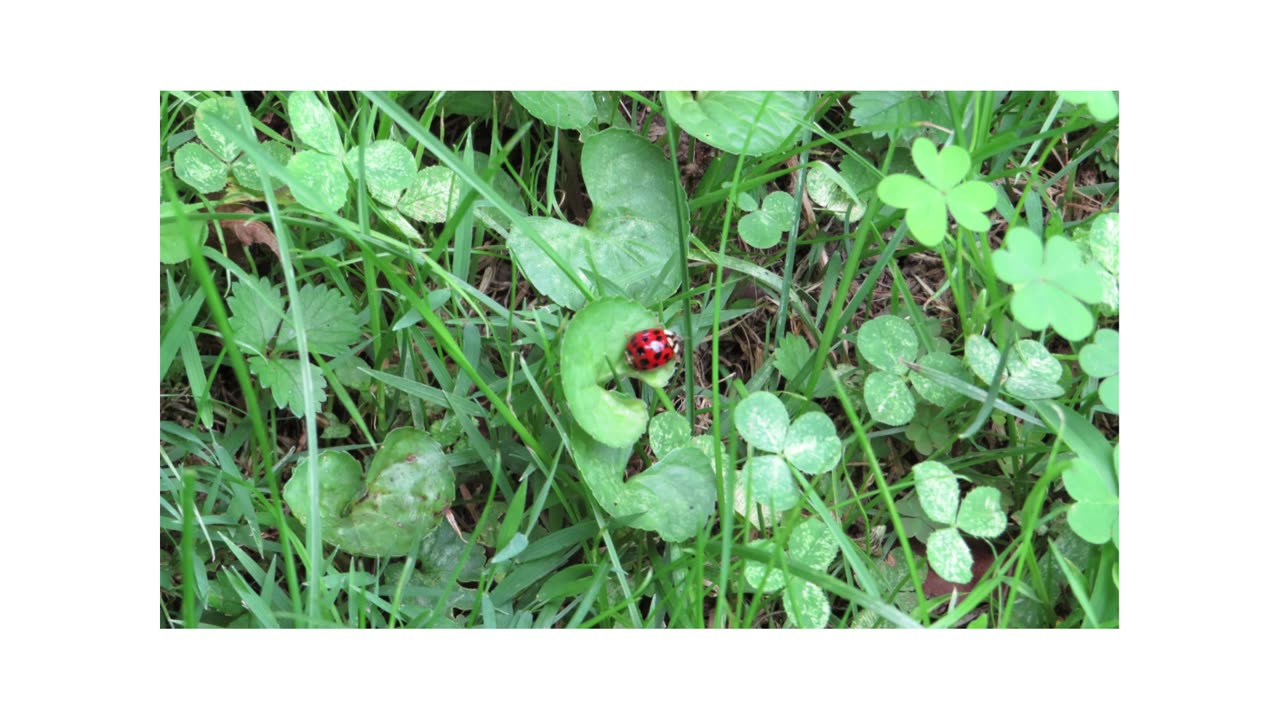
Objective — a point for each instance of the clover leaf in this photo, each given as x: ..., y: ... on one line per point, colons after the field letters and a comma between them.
x: 1095, y: 515
x: 764, y: 227
x: 927, y: 201
x: 809, y: 444
x: 979, y: 515
x: 1031, y: 372
x: 1101, y: 359
x: 812, y: 546
x: 832, y: 191
x: 204, y: 165
x: 1052, y: 284
x: 1102, y: 104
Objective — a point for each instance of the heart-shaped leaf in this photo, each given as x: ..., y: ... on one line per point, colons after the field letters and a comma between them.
x: 631, y: 236
x: 980, y: 513
x: 745, y: 123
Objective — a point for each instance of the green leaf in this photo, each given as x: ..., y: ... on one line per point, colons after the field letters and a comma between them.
x: 256, y: 312
x: 931, y: 390
x: 391, y: 511
x: 1101, y: 358
x: 949, y: 556
x: 761, y: 420
x: 313, y: 123
x: 980, y: 514
x: 833, y: 192
x: 632, y: 233
x: 754, y: 572
x: 246, y: 171
x: 904, y: 191
x: 681, y: 495
x: 767, y: 480
x: 331, y: 324
x: 1031, y: 373
x: 389, y: 168
x: 1083, y: 438
x: 1109, y: 393
x: 1104, y: 241
x: 886, y: 341
x: 1095, y: 516
x: 764, y: 228
x: 812, y: 444
x: 939, y: 491
x: 812, y: 545
x: 173, y: 242
x: 927, y: 220
x: 432, y: 195
x: 1050, y: 283
x: 224, y: 108
x: 745, y: 123
x: 970, y: 203
x: 907, y: 110
x: 791, y: 354
x: 199, y: 168
x: 668, y: 431
x: 1103, y: 104
x: 591, y: 354
x: 323, y: 176
x: 888, y: 398
x: 283, y: 377
x: 574, y: 110
x: 806, y: 605
x: 943, y: 170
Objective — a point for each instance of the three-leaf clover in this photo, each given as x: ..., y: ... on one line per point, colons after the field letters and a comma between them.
x: 763, y: 227
x: 979, y: 515
x: 204, y: 165
x: 927, y: 201
x: 1052, y: 284
x: 809, y: 444
x: 886, y: 342
x: 1101, y: 359
x: 811, y: 545
x: 1030, y: 373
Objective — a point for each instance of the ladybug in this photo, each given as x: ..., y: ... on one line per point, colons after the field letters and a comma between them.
x: 652, y: 348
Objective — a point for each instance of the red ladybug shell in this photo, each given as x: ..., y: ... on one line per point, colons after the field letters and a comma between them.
x: 652, y: 348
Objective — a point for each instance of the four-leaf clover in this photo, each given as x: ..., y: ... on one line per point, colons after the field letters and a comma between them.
x: 927, y: 201
x: 1051, y: 283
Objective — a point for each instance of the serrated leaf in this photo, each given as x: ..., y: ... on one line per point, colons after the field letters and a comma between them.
x: 790, y: 356
x: 906, y: 110
x: 331, y: 324
x: 283, y: 377
x: 257, y: 310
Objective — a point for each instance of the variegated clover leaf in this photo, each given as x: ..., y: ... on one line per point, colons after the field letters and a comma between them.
x: 811, y: 545
x: 980, y: 515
